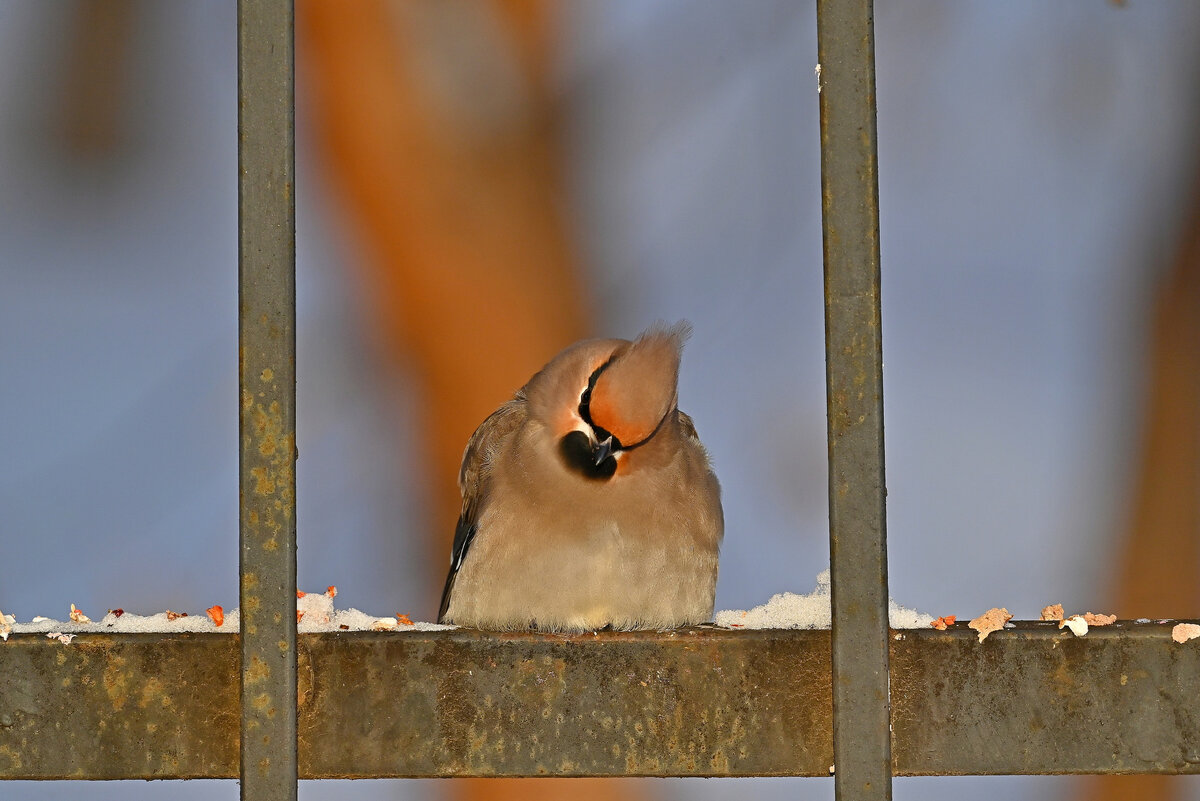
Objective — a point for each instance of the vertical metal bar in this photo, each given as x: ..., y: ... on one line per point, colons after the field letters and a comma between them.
x: 267, y: 378
x: 854, y: 375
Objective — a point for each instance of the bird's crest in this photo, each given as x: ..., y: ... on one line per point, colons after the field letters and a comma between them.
x: 636, y: 389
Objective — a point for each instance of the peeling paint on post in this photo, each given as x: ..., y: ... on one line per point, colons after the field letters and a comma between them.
x: 854, y: 374
x: 267, y: 382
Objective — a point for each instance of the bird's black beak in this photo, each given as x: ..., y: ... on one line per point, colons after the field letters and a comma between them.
x: 602, y: 450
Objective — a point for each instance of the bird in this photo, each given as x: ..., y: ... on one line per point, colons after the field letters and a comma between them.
x: 589, y: 502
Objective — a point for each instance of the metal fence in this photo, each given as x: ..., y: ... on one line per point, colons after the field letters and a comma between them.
x: 1031, y: 699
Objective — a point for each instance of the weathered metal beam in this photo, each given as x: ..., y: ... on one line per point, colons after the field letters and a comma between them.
x: 267, y: 383
x: 854, y: 383
x: 1032, y: 699
x: 1037, y: 699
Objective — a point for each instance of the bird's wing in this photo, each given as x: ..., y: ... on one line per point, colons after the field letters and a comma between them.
x: 472, y: 481
x: 686, y: 425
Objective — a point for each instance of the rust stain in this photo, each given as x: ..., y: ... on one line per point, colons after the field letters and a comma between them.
x: 304, y: 677
x: 274, y: 477
x: 14, y: 759
x: 264, y: 481
x: 116, y: 682
x: 153, y: 692
x: 261, y: 421
x: 259, y: 671
x: 1063, y: 680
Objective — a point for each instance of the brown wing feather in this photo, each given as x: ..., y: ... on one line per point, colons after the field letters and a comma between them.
x: 472, y: 480
x: 686, y: 425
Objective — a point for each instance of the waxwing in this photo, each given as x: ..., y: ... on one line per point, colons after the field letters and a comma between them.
x: 588, y: 500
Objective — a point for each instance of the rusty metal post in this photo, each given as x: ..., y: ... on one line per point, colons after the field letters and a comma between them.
x: 854, y: 374
x: 267, y: 378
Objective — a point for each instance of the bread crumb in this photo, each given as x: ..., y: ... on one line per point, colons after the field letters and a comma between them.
x: 1052, y: 612
x: 1099, y: 620
x: 1184, y: 632
x: 319, y: 615
x: 991, y: 620
x: 942, y: 622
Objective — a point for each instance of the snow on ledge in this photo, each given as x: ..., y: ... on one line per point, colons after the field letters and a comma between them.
x: 787, y: 610
x: 315, y: 613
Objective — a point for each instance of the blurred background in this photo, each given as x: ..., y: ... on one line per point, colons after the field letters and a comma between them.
x: 483, y: 181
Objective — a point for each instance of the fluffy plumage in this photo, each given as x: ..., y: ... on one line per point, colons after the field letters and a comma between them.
x: 588, y: 500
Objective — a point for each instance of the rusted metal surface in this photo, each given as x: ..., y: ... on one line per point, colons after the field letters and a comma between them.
x: 118, y: 706
x: 1036, y: 699
x: 854, y: 377
x: 1032, y: 699
x: 702, y: 703
x: 696, y: 703
x: 267, y: 376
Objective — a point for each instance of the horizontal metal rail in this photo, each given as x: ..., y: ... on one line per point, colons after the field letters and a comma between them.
x: 1032, y: 699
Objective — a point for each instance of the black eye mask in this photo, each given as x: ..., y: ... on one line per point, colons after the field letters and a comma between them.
x: 579, y: 455
x: 585, y: 401
x: 576, y: 448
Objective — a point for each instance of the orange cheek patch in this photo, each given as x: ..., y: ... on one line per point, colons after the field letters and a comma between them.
x: 606, y: 413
